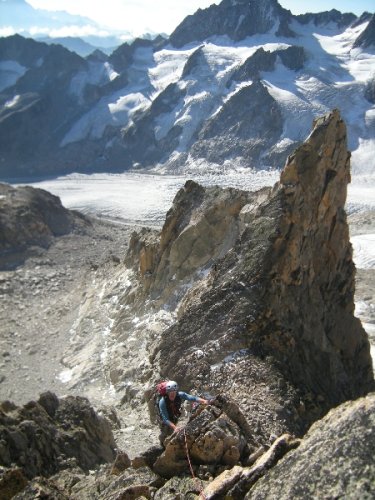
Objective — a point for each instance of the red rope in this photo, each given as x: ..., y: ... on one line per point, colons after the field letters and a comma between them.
x: 191, y: 469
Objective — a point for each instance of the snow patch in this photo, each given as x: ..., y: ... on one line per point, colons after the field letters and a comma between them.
x: 362, y: 159
x: 230, y: 358
x: 115, y: 110
x: 364, y: 250
x: 12, y: 102
x: 97, y: 74
x: 65, y: 376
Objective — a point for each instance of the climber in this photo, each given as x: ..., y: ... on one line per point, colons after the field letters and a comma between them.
x: 170, y: 408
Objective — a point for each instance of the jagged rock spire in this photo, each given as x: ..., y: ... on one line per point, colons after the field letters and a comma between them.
x: 282, y: 289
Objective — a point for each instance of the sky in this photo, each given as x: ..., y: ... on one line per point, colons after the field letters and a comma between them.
x: 163, y: 16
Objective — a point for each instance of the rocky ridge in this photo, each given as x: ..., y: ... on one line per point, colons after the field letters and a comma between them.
x: 282, y: 275
x: 218, y: 300
x: 236, y: 19
x: 305, y: 475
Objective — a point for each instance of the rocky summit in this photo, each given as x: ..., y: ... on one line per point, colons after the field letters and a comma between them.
x: 244, y: 297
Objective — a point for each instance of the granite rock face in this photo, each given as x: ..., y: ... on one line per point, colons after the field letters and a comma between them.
x: 200, y: 228
x: 27, y: 52
x: 43, y: 104
x: 335, y: 458
x: 246, y: 125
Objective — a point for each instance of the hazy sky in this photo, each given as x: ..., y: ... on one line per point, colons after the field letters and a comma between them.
x: 164, y: 15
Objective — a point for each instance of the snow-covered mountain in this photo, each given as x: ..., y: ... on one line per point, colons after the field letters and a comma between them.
x: 237, y: 84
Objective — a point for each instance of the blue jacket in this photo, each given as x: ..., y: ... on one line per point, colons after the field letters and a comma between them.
x: 163, y: 405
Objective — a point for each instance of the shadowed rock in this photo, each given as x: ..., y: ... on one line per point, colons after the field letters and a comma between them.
x: 370, y: 90
x: 323, y: 18
x: 263, y: 60
x: 247, y: 124
x: 367, y: 38
x: 42, y: 443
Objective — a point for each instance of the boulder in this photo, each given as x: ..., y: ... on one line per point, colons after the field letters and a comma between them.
x: 211, y: 437
x: 31, y: 217
x: 237, y: 481
x: 131, y: 484
x: 41, y: 488
x: 180, y: 487
x: 12, y: 481
x: 335, y: 458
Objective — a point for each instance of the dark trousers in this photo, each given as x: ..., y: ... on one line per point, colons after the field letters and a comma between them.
x: 165, y: 431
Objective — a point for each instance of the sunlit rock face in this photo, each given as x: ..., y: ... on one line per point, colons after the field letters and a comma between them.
x: 200, y: 228
x: 317, y: 468
x: 273, y: 284
x: 212, y: 438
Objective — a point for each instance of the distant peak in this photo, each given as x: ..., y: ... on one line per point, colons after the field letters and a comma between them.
x: 236, y: 19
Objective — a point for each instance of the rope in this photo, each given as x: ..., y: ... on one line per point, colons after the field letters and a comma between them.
x: 201, y: 494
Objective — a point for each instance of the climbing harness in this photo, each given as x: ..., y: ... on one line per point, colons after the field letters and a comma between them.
x: 201, y: 494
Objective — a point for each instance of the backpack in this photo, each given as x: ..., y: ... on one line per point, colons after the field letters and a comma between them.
x: 153, y: 397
